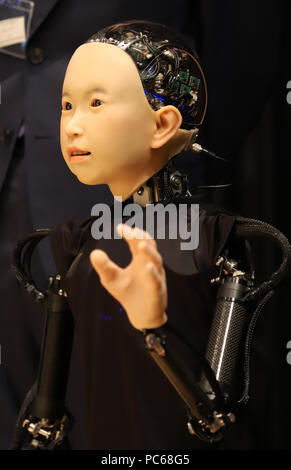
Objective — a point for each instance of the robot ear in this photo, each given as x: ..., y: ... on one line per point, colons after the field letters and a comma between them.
x: 168, y: 121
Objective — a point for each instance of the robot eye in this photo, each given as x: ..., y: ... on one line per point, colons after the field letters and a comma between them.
x: 96, y: 103
x: 67, y: 106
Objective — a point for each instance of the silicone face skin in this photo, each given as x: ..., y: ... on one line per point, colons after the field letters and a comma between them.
x: 106, y: 114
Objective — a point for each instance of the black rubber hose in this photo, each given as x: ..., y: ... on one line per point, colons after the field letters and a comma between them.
x: 21, y: 262
x: 245, y: 227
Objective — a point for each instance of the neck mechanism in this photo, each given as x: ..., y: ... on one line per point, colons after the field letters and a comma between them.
x: 163, y: 186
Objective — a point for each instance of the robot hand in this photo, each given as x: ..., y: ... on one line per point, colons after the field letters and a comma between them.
x: 140, y: 287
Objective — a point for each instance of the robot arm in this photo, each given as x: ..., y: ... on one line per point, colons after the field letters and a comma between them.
x: 43, y: 422
x: 211, y: 400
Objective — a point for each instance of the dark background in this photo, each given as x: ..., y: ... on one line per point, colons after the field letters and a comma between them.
x: 245, y: 51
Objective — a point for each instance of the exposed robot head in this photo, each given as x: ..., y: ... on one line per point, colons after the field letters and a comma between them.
x: 169, y: 70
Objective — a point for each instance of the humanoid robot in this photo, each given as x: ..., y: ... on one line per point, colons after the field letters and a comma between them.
x: 134, y: 96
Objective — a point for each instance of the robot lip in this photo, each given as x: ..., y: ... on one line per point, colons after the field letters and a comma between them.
x: 75, y: 151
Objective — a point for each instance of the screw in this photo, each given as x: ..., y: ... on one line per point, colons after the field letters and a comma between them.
x: 176, y: 181
x: 140, y: 191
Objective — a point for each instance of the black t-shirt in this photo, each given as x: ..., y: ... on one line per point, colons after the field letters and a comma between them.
x: 128, y: 402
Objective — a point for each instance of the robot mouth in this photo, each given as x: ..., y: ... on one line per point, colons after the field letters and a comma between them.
x: 77, y: 152
x: 80, y: 153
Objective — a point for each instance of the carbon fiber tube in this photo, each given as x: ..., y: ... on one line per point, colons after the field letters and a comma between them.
x: 228, y: 329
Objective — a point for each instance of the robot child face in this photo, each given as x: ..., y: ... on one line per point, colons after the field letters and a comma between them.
x: 116, y: 85
x: 106, y: 122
